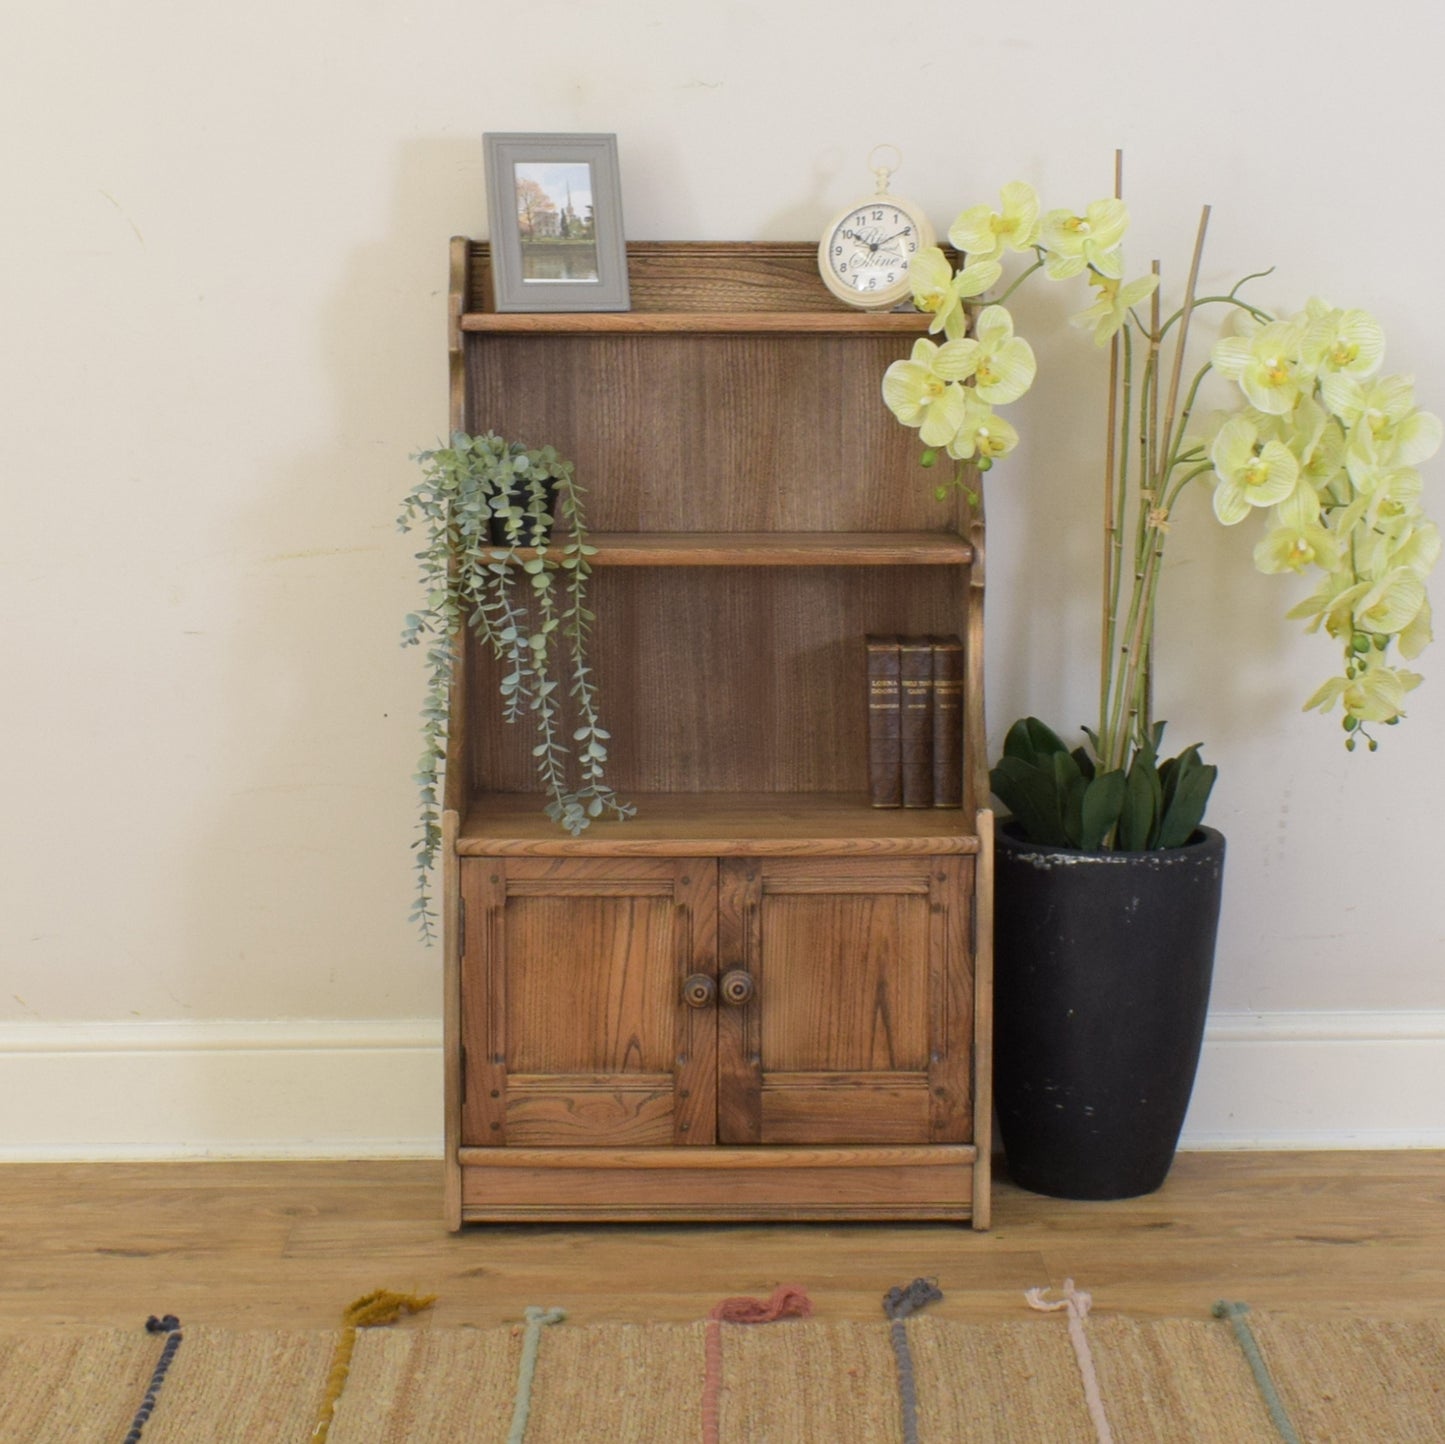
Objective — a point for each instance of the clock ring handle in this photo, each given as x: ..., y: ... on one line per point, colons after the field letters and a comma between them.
x: 880, y: 168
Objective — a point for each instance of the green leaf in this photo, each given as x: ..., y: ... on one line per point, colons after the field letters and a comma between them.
x: 1140, y: 811
x: 1031, y: 741
x: 1031, y: 796
x: 1185, y: 811
x: 1103, y: 799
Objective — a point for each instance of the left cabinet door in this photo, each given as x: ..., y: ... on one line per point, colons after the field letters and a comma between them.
x: 579, y: 1027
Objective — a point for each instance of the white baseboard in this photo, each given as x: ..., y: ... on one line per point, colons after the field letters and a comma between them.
x: 372, y: 1089
x: 1320, y: 1080
x: 295, y: 1089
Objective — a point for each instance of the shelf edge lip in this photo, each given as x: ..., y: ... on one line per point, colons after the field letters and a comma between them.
x: 730, y: 846
x: 724, y: 1155
x: 721, y: 323
x: 770, y: 549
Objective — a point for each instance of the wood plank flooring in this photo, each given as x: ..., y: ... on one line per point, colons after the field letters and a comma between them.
x: 250, y: 1245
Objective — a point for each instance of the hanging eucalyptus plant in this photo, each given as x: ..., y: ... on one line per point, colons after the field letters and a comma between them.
x: 479, y: 503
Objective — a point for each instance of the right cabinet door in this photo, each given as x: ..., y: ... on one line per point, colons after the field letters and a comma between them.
x: 845, y: 1000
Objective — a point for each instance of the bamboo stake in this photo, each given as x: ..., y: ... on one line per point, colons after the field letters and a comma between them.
x: 1142, y: 610
x: 1106, y: 598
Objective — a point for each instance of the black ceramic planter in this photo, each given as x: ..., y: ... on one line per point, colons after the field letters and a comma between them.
x: 1102, y: 964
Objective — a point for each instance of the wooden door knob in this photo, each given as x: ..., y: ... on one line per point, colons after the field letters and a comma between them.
x: 699, y: 991
x: 737, y: 988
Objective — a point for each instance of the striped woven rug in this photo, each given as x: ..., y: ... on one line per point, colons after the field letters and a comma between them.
x: 913, y: 1378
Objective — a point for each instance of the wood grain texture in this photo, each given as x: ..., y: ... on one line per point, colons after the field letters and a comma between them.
x: 244, y: 1245
x: 801, y: 1183
x: 951, y: 1021
x: 739, y: 1030
x: 838, y: 1040
x: 982, y: 961
x: 627, y: 1110
x: 713, y: 277
x: 695, y: 323
x: 451, y: 920
x: 573, y: 1015
x: 715, y: 824
x: 884, y: 1107
x: 783, y: 707
x: 782, y: 433
x: 774, y: 549
x: 758, y: 513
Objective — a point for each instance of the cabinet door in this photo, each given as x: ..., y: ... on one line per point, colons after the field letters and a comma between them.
x: 576, y: 1029
x: 859, y: 1023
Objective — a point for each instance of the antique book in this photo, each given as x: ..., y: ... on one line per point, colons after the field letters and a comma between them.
x: 915, y: 676
x: 947, y: 722
x: 885, y: 760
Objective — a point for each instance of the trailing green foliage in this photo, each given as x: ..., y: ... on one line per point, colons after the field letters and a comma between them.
x: 530, y: 609
x: 1060, y: 798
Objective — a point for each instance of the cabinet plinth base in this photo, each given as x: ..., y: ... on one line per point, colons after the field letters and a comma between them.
x: 718, y: 1184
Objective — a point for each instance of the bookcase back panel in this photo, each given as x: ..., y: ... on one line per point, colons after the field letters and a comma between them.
x: 729, y: 679
x: 712, y: 433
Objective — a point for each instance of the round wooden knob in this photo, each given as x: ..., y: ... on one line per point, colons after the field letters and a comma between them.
x: 737, y: 988
x: 699, y: 991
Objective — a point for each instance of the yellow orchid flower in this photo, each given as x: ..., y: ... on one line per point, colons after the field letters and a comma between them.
x: 983, y: 233
x: 1291, y: 549
x: 1375, y: 694
x: 1249, y: 473
x: 983, y: 433
x: 922, y: 391
x: 1005, y: 366
x: 1417, y: 634
x: 1112, y: 304
x: 1266, y: 364
x: 1330, y: 603
x: 1091, y: 240
x: 1352, y: 342
x: 1315, y: 438
x: 1416, y: 545
x: 1399, y: 431
x: 1391, y: 604
x: 937, y: 289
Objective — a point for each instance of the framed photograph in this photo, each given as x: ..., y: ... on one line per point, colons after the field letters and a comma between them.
x: 555, y: 207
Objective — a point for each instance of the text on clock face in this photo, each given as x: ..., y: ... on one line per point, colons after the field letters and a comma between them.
x: 872, y: 239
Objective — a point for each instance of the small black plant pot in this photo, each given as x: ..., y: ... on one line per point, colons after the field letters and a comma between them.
x: 1102, y: 966
x: 531, y: 532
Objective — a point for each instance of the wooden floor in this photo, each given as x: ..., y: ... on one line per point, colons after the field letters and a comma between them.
x: 241, y: 1245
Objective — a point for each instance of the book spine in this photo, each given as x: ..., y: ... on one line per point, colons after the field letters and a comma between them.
x: 947, y: 722
x: 915, y: 673
x: 885, y: 761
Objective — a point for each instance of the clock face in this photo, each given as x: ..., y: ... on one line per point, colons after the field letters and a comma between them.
x: 870, y: 250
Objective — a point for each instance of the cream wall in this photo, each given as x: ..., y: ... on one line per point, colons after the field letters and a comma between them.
x: 222, y: 336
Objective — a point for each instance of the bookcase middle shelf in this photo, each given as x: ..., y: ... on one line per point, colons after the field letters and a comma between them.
x: 773, y: 549
x: 712, y: 824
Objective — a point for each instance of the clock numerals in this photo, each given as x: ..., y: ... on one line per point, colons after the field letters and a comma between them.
x: 870, y: 250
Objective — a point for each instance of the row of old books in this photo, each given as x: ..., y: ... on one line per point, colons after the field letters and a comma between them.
x: 915, y: 721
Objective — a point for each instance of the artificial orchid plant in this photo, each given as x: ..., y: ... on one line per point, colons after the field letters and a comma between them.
x: 1316, y: 438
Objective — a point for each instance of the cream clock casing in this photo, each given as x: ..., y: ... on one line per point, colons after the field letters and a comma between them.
x: 867, y: 251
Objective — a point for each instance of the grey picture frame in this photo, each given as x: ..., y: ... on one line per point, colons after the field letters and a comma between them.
x: 554, y: 206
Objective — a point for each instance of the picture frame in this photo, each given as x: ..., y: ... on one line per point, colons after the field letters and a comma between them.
x: 555, y: 210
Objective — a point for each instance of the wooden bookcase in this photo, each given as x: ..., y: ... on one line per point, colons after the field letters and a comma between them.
x: 760, y: 998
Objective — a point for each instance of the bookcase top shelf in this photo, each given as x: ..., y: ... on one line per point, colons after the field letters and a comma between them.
x: 719, y: 824
x: 776, y: 549
x: 734, y: 323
